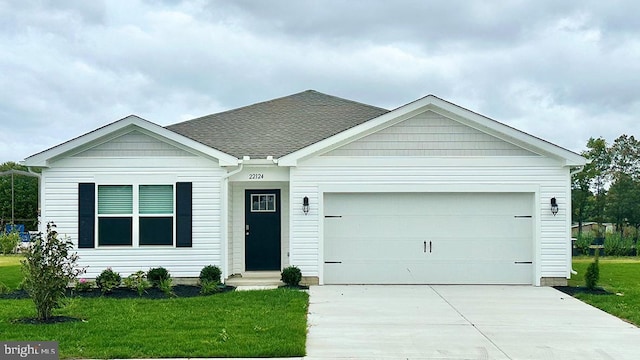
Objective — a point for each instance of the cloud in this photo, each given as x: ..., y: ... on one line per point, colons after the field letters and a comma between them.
x: 563, y: 71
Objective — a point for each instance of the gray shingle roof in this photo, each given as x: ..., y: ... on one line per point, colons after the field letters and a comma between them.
x: 277, y: 127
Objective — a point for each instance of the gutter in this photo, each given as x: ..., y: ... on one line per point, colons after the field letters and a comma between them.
x: 576, y: 170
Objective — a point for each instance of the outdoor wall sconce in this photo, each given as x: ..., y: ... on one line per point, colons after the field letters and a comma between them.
x: 554, y: 206
x: 305, y: 205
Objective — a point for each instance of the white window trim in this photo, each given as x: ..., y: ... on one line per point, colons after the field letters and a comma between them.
x: 275, y: 206
x: 135, y: 216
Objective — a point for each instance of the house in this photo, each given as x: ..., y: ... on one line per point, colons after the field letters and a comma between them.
x: 591, y: 227
x: 428, y: 193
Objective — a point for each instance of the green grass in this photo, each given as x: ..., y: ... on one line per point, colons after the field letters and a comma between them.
x: 619, y: 276
x: 269, y: 323
x: 10, y: 274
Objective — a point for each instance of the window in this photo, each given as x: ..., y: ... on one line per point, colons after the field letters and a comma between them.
x: 156, y: 215
x: 263, y: 203
x: 115, y: 215
x: 146, y: 221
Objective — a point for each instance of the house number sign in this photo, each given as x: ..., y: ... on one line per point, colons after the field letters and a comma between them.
x: 256, y: 176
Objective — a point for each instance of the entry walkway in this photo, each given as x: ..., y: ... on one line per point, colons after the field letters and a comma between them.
x: 462, y: 322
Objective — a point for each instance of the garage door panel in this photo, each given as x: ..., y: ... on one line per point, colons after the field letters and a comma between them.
x: 359, y: 249
x: 406, y: 238
x: 407, y: 272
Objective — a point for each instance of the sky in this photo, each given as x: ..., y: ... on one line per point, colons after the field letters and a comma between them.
x: 564, y: 71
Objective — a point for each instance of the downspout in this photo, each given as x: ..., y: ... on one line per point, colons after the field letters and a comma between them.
x: 571, y: 173
x: 225, y: 217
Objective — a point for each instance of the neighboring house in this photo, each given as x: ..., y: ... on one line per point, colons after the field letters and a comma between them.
x: 428, y: 193
x: 592, y: 227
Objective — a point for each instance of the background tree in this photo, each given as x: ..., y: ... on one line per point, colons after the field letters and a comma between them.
x: 623, y: 201
x: 598, y: 174
x: 625, y: 157
x: 25, y: 197
x: 582, y: 198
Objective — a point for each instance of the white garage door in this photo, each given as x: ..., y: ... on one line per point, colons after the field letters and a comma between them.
x: 428, y: 238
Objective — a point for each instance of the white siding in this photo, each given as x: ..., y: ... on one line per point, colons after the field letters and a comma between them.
x: 60, y: 202
x: 134, y: 144
x: 545, y: 177
x: 429, y: 134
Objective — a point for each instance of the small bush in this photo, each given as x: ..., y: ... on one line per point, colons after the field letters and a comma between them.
x: 108, y: 280
x: 615, y: 245
x: 209, y: 287
x: 156, y: 275
x: 166, y: 286
x: 210, y: 273
x: 4, y: 289
x: 48, y: 267
x: 9, y: 242
x: 138, y: 282
x: 291, y: 275
x: 83, y: 285
x: 592, y: 275
x: 584, y: 241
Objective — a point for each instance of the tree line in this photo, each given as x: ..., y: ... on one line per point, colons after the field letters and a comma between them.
x: 608, y: 188
x: 25, y: 198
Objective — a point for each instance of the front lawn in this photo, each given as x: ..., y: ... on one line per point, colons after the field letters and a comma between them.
x: 619, y: 276
x: 10, y: 274
x: 269, y: 323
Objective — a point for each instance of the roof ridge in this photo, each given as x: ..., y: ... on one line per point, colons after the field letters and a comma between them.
x: 344, y: 99
x: 277, y: 99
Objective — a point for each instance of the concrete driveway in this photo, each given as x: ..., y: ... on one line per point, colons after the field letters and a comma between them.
x: 462, y: 322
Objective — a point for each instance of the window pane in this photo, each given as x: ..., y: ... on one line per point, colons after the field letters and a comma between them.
x: 156, y: 199
x: 156, y: 230
x: 115, y: 199
x: 271, y: 203
x: 114, y: 231
x: 263, y: 202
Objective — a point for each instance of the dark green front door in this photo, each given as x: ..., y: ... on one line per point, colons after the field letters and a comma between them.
x: 262, y: 230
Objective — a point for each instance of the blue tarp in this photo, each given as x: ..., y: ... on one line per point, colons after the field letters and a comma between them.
x: 19, y: 228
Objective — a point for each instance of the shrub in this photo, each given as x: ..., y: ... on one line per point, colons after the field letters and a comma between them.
x: 9, y: 242
x: 291, y: 275
x: 210, y: 273
x: 138, y: 282
x: 82, y: 285
x: 48, y: 268
x: 4, y: 289
x: 584, y: 241
x: 156, y: 275
x: 208, y: 287
x: 166, y: 286
x: 615, y: 245
x: 592, y: 275
x: 108, y: 280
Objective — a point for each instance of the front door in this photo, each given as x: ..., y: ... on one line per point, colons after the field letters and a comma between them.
x: 262, y: 230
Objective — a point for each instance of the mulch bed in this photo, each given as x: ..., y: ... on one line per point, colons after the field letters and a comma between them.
x: 181, y: 291
x: 572, y: 290
x: 51, y: 320
x: 294, y: 287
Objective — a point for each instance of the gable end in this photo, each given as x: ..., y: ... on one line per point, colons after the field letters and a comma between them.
x: 133, y: 144
x: 429, y: 134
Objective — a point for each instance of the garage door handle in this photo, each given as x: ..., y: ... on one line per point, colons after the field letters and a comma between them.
x: 425, y: 247
x: 430, y: 247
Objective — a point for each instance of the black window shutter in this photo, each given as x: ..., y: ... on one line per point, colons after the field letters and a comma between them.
x: 86, y: 215
x: 183, y: 214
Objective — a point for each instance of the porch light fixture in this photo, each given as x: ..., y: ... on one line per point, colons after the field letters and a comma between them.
x: 554, y: 206
x: 305, y: 205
